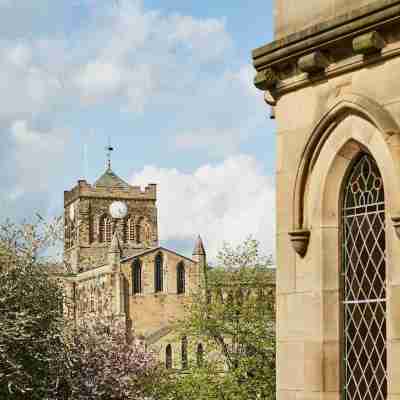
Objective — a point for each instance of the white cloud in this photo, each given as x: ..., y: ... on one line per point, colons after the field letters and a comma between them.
x: 224, y: 202
x: 39, y: 157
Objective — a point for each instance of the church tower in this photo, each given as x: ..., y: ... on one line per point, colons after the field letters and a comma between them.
x: 93, y: 213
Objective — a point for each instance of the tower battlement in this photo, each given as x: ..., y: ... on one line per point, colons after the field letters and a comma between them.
x: 83, y: 189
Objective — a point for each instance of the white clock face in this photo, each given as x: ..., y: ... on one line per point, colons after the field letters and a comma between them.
x: 71, y: 212
x: 118, y: 209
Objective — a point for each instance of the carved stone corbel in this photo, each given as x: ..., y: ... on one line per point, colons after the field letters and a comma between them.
x: 312, y: 63
x: 300, y: 239
x: 266, y: 79
x: 368, y: 43
x: 396, y: 225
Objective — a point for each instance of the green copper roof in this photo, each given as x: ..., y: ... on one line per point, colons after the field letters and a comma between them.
x: 111, y: 180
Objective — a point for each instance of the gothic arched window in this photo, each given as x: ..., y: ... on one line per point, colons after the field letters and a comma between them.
x: 168, y: 357
x: 158, y: 273
x: 200, y: 355
x: 363, y: 283
x: 105, y: 229
x: 180, y: 278
x: 137, y: 277
x: 184, y: 352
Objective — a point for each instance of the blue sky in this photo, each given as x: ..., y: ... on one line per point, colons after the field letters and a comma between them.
x: 169, y: 82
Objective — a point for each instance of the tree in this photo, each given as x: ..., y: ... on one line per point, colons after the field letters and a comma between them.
x: 233, y: 316
x: 31, y: 326
x: 43, y: 355
x: 106, y: 365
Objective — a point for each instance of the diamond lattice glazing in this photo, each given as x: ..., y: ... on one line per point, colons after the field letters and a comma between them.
x: 364, y: 291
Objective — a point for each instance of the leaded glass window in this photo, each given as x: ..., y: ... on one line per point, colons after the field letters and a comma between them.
x: 363, y: 284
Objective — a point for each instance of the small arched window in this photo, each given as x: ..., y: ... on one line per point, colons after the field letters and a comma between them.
x: 180, y: 278
x: 168, y: 357
x: 184, y: 352
x: 137, y: 277
x: 200, y: 355
x: 158, y: 273
x: 105, y: 229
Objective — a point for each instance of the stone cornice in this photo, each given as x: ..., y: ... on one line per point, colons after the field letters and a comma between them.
x: 318, y: 36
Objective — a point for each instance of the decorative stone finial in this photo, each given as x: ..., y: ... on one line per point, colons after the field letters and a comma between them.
x: 300, y: 239
x: 199, y: 248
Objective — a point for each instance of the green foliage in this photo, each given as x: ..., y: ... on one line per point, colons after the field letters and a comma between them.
x: 234, y: 317
x: 46, y: 357
x: 30, y: 314
x: 105, y: 365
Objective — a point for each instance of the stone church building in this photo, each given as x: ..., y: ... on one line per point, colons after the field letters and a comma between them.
x: 332, y: 79
x: 116, y: 265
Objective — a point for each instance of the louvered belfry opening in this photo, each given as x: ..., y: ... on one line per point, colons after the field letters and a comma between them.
x: 363, y: 284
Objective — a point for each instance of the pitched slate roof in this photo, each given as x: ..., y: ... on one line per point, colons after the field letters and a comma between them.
x: 110, y: 180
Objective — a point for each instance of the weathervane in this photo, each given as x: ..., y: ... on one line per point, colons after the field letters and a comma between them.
x: 109, y: 149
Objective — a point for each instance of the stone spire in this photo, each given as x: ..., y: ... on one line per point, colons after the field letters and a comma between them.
x: 199, y: 256
x: 114, y: 251
x: 199, y: 247
x: 115, y: 244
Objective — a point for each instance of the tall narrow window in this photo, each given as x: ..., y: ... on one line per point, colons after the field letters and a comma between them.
x: 168, y: 357
x: 180, y: 278
x: 158, y: 273
x: 184, y: 352
x: 200, y: 355
x: 137, y: 277
x: 363, y: 283
x: 105, y: 229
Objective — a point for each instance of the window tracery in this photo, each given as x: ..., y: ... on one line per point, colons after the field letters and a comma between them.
x: 105, y: 229
x: 363, y: 283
